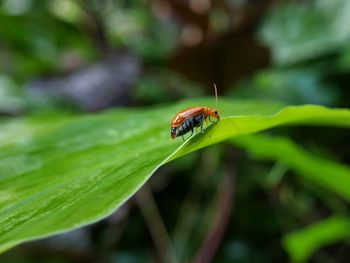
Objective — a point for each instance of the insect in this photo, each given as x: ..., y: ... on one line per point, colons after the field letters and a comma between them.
x: 192, y: 118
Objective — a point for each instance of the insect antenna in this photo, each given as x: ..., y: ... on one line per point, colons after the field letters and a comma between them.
x: 216, y: 95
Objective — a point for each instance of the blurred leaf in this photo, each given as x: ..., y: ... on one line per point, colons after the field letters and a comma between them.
x: 300, y: 31
x: 344, y: 60
x: 160, y: 86
x: 326, y: 173
x: 39, y: 43
x: 292, y: 85
x: 60, y: 172
x: 302, y: 243
x: 134, y: 26
x: 11, y: 102
x: 66, y: 10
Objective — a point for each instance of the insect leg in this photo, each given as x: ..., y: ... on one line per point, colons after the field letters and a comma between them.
x: 206, y: 121
x: 211, y: 120
x: 182, y: 137
x: 191, y: 126
x: 203, y: 118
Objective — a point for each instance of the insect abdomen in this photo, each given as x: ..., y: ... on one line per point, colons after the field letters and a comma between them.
x: 190, y: 124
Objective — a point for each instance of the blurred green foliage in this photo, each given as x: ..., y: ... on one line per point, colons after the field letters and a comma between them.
x: 293, y: 86
x: 303, y: 243
x: 40, y: 40
x: 299, y: 32
x: 310, y: 167
x: 288, y: 191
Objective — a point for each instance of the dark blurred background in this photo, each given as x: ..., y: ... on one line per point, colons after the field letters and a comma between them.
x: 215, y: 205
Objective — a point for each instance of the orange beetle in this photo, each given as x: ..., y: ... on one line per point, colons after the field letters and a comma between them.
x: 191, y: 118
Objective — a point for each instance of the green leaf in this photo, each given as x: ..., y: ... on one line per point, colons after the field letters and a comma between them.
x: 60, y: 172
x: 320, y: 171
x: 302, y: 243
x: 238, y: 125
